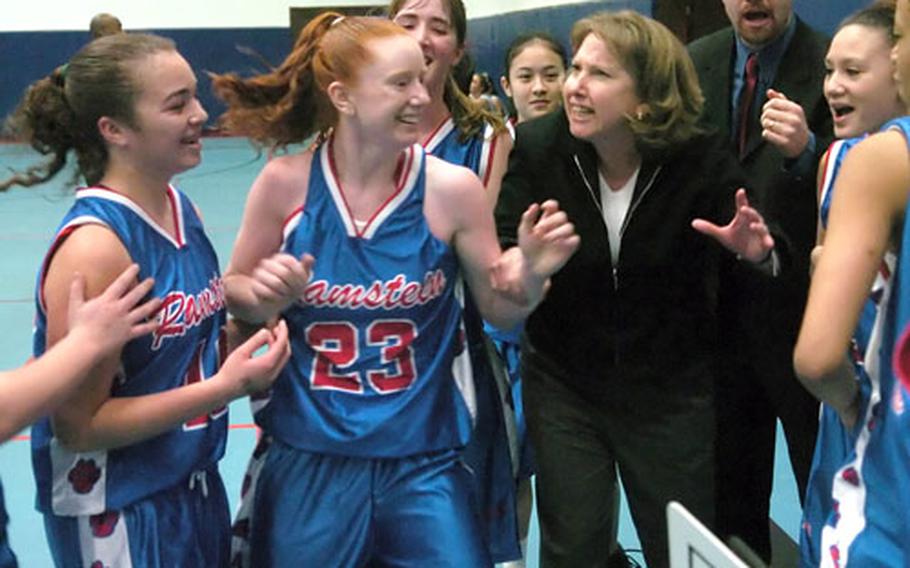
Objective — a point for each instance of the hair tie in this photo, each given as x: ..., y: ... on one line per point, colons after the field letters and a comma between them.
x: 335, y: 21
x: 60, y: 75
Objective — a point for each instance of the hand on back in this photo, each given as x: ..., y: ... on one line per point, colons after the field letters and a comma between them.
x: 116, y: 316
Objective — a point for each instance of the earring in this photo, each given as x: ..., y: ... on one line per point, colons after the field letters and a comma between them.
x: 639, y: 115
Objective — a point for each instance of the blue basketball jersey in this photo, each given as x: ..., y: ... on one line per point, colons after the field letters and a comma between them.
x: 475, y: 153
x: 379, y: 366
x: 835, y: 445
x: 834, y: 158
x: 868, y: 526
x: 899, y: 410
x: 492, y: 454
x: 185, y: 348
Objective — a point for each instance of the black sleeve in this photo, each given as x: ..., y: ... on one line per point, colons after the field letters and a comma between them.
x: 515, y: 194
x: 725, y: 170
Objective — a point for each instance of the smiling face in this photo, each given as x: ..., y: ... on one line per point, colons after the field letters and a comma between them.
x: 535, y: 78
x: 758, y: 22
x: 430, y: 23
x: 387, y: 97
x: 167, y: 121
x: 859, y: 84
x: 599, y: 93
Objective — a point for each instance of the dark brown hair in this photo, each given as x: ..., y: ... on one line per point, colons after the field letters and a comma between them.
x: 878, y: 15
x: 60, y: 112
x: 470, y: 117
x: 519, y: 43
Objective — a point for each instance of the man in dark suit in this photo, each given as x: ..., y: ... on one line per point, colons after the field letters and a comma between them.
x: 762, y: 81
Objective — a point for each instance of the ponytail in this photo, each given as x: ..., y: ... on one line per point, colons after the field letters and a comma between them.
x: 60, y: 112
x: 45, y: 120
x: 283, y: 106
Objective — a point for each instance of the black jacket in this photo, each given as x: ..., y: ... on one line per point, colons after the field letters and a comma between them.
x: 763, y: 312
x: 647, y: 323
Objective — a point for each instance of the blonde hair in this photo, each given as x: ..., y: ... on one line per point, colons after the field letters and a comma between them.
x: 665, y: 79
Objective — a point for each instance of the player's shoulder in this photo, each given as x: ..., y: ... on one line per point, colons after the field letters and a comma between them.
x: 283, y: 181
x: 92, y: 249
x: 443, y: 176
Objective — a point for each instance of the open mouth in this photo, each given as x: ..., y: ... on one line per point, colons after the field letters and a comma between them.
x: 757, y: 16
x: 841, y: 111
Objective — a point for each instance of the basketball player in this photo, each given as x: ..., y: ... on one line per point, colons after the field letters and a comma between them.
x: 359, y: 243
x: 862, y: 96
x: 461, y: 131
x: 867, y: 218
x: 126, y: 468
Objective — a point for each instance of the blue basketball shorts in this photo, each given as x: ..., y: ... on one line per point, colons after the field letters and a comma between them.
x: 187, y: 525
x: 306, y: 509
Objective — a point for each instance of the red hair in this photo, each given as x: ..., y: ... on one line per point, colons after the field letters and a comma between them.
x: 289, y: 104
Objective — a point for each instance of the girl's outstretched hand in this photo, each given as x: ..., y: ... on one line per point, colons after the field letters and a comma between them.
x: 116, y: 316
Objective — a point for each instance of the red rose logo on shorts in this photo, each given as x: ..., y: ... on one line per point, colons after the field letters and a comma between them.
x: 835, y: 555
x: 84, y: 475
x: 103, y: 525
x: 851, y: 476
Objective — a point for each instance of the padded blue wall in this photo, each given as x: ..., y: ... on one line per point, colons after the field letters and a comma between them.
x: 489, y: 37
x: 27, y: 56
x: 824, y: 15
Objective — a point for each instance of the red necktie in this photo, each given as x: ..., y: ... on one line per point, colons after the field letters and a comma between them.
x: 745, y: 101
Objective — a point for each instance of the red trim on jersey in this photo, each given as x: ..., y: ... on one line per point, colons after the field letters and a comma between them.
x: 290, y: 216
x: 884, y: 270
x: 824, y: 169
x: 58, y: 240
x: 179, y: 237
x: 486, y: 174
x: 402, y: 167
x: 178, y: 222
x: 433, y: 132
x: 900, y: 360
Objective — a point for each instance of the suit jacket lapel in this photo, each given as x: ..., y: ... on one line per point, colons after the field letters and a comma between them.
x: 718, y: 82
x: 794, y: 77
